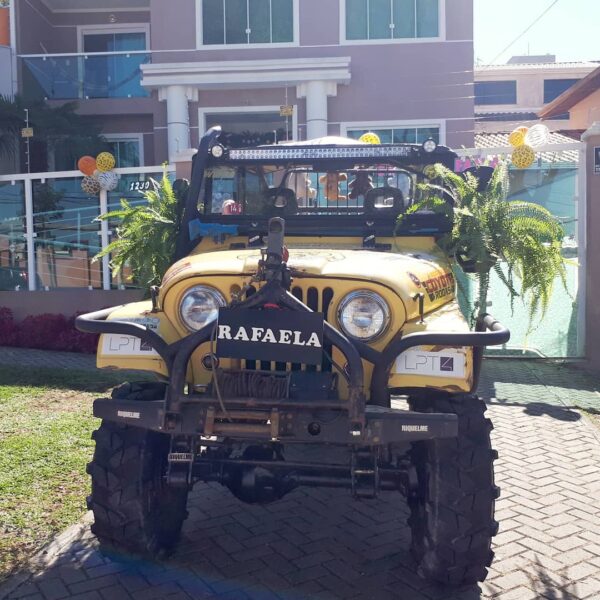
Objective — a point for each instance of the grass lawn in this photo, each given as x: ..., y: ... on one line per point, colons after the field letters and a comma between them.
x: 45, y: 426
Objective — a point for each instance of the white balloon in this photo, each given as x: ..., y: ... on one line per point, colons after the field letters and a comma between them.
x: 108, y: 180
x: 538, y: 135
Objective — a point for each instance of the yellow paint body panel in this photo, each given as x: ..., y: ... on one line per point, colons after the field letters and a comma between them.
x: 338, y: 265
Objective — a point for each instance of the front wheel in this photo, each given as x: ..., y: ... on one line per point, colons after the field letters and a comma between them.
x: 452, y: 509
x: 134, y: 509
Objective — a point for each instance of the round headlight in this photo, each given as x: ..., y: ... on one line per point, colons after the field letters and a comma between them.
x: 363, y: 315
x: 199, y: 306
x: 217, y: 151
x: 429, y: 145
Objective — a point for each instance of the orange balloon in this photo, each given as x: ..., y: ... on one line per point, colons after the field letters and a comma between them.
x: 87, y: 165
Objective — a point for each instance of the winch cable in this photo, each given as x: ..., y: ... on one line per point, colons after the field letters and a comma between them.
x: 215, y: 376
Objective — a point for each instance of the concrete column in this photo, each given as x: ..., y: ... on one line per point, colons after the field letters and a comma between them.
x: 178, y: 116
x: 316, y: 94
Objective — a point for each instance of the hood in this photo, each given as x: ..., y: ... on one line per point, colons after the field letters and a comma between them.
x: 407, y: 273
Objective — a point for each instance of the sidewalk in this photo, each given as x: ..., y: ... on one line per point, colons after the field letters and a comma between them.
x: 322, y: 544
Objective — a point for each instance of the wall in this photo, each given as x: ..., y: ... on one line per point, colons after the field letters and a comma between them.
x: 586, y: 112
x: 393, y: 82
x: 65, y: 302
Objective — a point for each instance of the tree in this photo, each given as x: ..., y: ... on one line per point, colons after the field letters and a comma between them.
x: 58, y: 128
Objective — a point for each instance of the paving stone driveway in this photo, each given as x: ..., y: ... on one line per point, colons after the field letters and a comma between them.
x: 322, y: 544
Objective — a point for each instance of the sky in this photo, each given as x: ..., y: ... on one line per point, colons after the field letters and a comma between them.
x: 570, y: 30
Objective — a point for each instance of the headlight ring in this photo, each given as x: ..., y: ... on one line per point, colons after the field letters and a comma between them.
x: 363, y: 315
x: 199, y: 306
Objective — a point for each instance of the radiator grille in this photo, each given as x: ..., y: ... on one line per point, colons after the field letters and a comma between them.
x: 318, y: 300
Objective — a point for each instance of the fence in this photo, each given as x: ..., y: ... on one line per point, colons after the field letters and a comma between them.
x: 557, y: 182
x: 49, y: 230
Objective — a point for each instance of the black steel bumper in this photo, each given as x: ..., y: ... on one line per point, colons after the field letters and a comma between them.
x: 330, y: 421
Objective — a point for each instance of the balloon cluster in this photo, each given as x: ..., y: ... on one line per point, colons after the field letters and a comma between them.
x: 524, y: 140
x: 99, y: 173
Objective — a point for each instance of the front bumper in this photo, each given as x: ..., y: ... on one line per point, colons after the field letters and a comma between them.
x: 320, y: 421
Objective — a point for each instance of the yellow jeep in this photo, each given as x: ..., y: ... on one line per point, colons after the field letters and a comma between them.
x: 303, y: 335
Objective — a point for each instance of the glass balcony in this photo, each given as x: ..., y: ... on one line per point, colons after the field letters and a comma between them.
x: 83, y: 76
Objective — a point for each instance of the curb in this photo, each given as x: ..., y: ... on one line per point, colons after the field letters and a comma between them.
x: 46, y: 555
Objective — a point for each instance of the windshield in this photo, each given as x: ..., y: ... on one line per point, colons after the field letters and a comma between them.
x: 262, y: 190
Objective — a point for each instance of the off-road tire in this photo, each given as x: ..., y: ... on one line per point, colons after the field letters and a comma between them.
x: 452, y: 510
x: 135, y: 511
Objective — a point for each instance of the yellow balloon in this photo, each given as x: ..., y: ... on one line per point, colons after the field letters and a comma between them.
x: 369, y: 138
x: 105, y: 161
x: 517, y: 137
x: 523, y: 156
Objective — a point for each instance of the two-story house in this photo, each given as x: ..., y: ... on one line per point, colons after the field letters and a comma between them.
x: 156, y: 74
x: 513, y: 94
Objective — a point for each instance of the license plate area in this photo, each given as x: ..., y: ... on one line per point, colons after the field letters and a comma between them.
x: 271, y: 334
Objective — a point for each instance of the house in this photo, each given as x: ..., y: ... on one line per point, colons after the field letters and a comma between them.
x: 582, y: 101
x: 156, y: 74
x: 513, y: 94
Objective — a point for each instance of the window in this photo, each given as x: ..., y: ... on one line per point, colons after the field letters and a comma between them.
x: 113, y: 73
x: 400, y: 135
x: 553, y: 88
x: 247, y: 21
x: 495, y: 92
x: 126, y: 151
x: 391, y: 19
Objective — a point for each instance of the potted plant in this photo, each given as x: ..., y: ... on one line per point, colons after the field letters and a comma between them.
x: 521, y: 241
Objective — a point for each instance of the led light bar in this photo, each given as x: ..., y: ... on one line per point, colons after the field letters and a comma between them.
x: 316, y: 153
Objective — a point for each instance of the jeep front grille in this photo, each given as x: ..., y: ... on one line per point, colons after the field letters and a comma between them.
x: 318, y: 300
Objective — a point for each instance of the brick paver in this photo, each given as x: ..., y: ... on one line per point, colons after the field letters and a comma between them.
x: 322, y: 544
x: 26, y: 357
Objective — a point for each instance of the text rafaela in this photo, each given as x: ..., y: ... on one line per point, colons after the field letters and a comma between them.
x: 268, y: 336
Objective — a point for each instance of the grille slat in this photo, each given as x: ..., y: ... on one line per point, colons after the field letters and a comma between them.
x: 318, y: 301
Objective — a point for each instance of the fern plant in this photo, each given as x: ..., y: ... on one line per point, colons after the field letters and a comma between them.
x: 146, y: 234
x: 520, y: 241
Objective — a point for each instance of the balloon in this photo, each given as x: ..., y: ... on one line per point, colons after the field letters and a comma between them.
x: 105, y: 161
x: 523, y: 156
x: 369, y: 138
x: 90, y: 185
x: 517, y: 137
x: 538, y: 135
x: 87, y: 165
x: 108, y: 181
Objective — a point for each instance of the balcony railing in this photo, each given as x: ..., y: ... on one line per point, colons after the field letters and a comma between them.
x: 84, y: 76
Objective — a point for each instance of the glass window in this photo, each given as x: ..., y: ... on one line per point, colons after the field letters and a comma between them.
x: 66, y: 235
x: 126, y: 152
x: 495, y: 92
x: 113, y: 75
x: 403, y: 135
x: 387, y: 19
x: 247, y: 21
x: 13, y: 246
x: 553, y: 88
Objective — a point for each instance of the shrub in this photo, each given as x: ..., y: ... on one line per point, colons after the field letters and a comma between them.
x: 8, y: 328
x: 45, y: 332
